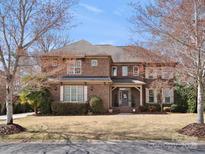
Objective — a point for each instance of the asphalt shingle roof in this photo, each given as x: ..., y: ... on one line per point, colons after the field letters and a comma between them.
x: 119, y: 54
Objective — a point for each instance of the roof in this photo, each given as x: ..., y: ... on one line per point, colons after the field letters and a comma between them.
x: 118, y: 53
x: 127, y: 81
x: 81, y: 79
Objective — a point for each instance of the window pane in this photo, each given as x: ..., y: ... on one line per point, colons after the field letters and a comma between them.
x: 80, y: 93
x: 73, y: 93
x: 94, y: 62
x: 167, y: 99
x: 114, y: 71
x: 135, y: 71
x: 66, y: 93
x: 124, y: 70
x: 151, y: 96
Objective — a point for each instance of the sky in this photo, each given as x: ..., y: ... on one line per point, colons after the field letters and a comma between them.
x: 102, y: 22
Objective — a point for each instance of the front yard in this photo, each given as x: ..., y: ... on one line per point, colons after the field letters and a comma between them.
x: 109, y: 127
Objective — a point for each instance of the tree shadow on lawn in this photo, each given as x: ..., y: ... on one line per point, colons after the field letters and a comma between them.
x: 69, y: 136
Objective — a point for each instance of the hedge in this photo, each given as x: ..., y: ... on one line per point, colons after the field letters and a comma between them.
x: 59, y: 108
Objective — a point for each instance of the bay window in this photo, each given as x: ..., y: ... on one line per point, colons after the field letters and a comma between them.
x: 74, y: 93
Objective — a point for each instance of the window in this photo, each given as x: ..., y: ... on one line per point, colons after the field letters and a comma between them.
x: 74, y: 67
x: 124, y: 71
x: 73, y: 94
x: 114, y: 71
x: 135, y: 71
x: 94, y: 63
x: 151, y: 96
x: 54, y: 63
x: 167, y: 95
x: 167, y: 99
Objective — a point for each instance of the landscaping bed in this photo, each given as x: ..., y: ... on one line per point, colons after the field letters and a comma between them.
x: 10, y: 129
x: 194, y: 129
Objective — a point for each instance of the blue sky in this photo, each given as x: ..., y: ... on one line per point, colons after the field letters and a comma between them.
x: 102, y: 22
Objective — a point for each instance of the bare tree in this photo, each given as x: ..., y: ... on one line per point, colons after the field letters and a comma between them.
x: 180, y: 25
x: 22, y: 23
x: 50, y: 41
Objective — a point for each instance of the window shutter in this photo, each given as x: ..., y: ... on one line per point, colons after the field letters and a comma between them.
x: 147, y: 95
x: 155, y: 95
x: 61, y: 93
x: 85, y: 93
x: 171, y: 95
x: 163, y: 96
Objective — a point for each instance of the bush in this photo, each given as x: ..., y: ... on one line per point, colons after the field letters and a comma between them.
x: 38, y: 99
x: 142, y: 108
x: 178, y: 108
x: 185, y: 96
x: 167, y: 109
x: 174, y: 108
x: 22, y: 108
x: 152, y: 108
x: 59, y: 108
x: 96, y: 105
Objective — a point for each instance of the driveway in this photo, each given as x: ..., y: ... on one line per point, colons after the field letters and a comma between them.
x: 16, y: 116
x: 128, y: 147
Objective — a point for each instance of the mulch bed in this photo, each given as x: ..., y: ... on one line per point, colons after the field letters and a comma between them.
x: 10, y: 129
x: 194, y: 129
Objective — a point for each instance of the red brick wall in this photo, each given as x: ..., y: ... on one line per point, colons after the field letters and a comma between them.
x: 100, y: 90
x: 102, y: 69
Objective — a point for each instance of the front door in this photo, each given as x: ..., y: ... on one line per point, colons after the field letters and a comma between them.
x: 124, y: 97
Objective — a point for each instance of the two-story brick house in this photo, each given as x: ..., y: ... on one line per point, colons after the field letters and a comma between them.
x: 124, y: 77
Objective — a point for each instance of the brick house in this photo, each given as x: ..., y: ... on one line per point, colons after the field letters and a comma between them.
x: 125, y: 77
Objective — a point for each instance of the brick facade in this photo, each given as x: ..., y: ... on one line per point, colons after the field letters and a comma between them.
x: 151, y: 74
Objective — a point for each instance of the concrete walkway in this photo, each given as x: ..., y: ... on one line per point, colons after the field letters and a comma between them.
x: 16, y: 116
x: 100, y: 147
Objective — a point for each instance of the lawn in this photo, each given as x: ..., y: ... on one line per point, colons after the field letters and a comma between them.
x: 108, y: 127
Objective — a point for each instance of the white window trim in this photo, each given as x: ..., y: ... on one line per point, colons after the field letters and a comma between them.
x: 122, y: 71
x: 112, y: 70
x: 74, y: 68
x: 147, y: 96
x: 134, y: 73
x: 84, y: 94
x: 153, y: 96
x: 171, y: 95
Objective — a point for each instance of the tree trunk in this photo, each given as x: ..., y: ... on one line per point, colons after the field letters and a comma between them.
x: 200, y: 106
x: 9, y: 103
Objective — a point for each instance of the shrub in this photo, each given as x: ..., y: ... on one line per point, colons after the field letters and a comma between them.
x: 38, y: 99
x: 177, y: 108
x: 174, y: 108
x: 96, y: 105
x: 152, y: 108
x: 22, y: 108
x: 142, y: 108
x: 59, y: 108
x: 167, y: 109
x: 185, y: 96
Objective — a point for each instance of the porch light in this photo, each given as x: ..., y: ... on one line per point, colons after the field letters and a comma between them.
x: 133, y: 110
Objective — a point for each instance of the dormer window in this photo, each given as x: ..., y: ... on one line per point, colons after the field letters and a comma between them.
x: 135, y: 71
x: 114, y: 70
x: 74, y: 67
x: 124, y: 70
x: 94, y: 62
x: 55, y: 63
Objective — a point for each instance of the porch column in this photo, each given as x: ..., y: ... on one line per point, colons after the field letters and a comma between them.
x: 141, y: 96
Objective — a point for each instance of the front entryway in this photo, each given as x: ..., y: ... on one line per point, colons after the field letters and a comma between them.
x: 123, y: 97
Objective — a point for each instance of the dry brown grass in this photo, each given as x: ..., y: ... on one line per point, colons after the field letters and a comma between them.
x: 109, y: 127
